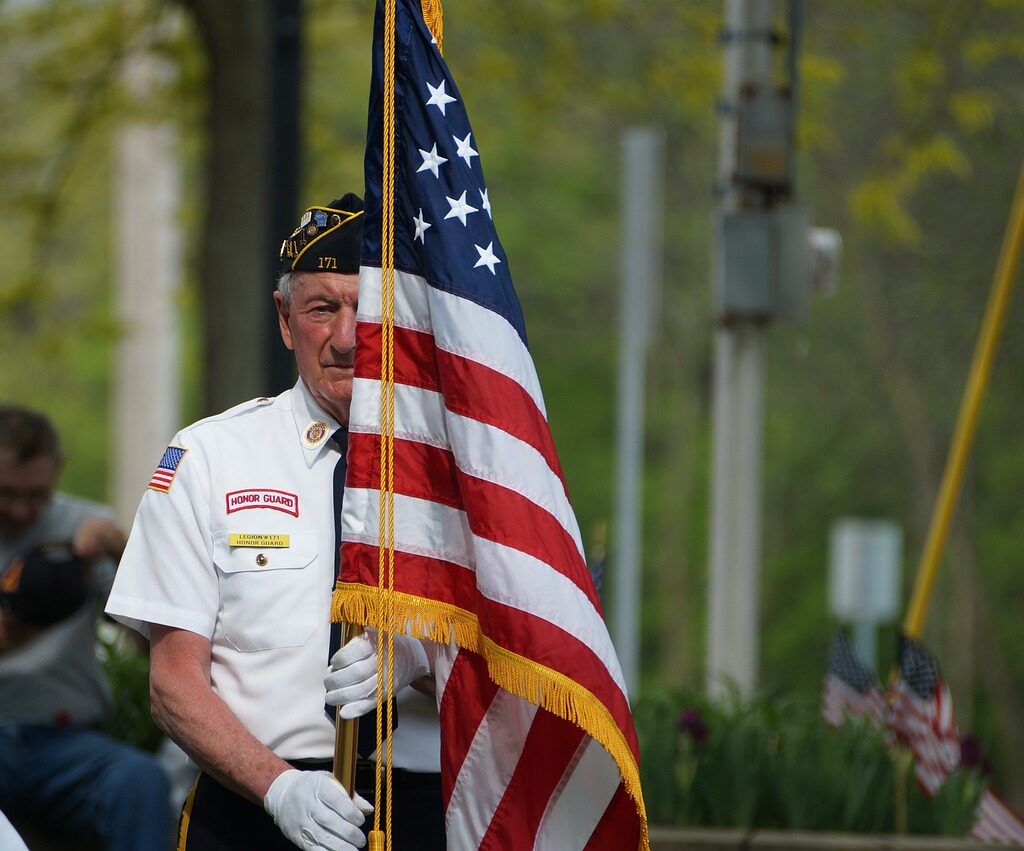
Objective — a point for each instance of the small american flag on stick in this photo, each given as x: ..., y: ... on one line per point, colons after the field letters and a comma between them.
x: 851, y: 687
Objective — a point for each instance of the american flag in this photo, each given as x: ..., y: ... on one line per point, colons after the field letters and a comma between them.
x: 538, y: 744
x: 997, y: 823
x: 851, y: 688
x: 167, y: 469
x: 921, y: 716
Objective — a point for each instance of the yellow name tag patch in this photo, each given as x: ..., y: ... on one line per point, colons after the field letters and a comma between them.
x: 254, y: 539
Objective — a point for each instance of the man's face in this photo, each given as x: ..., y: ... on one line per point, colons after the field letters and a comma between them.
x: 25, y: 490
x: 320, y: 327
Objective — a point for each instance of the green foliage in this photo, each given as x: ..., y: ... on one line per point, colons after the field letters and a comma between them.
x: 127, y: 671
x: 774, y: 764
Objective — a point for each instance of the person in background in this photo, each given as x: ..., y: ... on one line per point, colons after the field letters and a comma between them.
x: 58, y: 554
x: 229, y: 572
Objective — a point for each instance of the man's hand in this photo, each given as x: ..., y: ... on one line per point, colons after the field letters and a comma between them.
x: 351, y: 682
x: 313, y: 810
x: 98, y: 537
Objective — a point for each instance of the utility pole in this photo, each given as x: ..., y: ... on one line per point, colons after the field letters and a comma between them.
x: 639, y: 277
x: 762, y: 269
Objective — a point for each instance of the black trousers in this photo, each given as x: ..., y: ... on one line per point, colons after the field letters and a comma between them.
x: 216, y: 819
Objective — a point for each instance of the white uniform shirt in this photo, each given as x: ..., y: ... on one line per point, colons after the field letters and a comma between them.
x: 240, y: 550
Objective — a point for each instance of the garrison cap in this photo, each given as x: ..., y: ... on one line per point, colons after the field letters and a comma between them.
x: 328, y: 239
x: 44, y: 585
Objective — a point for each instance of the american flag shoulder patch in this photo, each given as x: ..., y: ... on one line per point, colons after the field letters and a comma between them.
x: 167, y: 469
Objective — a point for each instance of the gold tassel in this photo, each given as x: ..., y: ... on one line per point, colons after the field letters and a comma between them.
x: 433, y: 14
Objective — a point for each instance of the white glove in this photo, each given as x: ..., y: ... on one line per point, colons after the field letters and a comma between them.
x: 313, y: 810
x: 351, y: 681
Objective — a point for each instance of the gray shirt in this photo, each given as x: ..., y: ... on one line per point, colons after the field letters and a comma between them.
x: 55, y: 678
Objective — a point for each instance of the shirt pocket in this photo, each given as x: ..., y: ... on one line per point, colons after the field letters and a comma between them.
x: 268, y: 595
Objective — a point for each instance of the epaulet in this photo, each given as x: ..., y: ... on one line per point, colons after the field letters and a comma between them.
x: 237, y: 410
x: 245, y: 407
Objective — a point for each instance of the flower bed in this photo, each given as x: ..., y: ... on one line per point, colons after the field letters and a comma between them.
x: 774, y: 765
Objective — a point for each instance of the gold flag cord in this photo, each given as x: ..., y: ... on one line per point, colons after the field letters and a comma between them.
x: 378, y: 840
x: 386, y: 517
x: 967, y: 419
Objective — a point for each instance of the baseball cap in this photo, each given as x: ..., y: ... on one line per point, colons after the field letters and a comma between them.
x: 45, y: 584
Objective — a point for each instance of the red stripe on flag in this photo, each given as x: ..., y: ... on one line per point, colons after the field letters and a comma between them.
x: 421, y: 471
x: 421, y: 576
x: 550, y: 747
x: 498, y: 513
x: 467, y: 696
x: 469, y: 388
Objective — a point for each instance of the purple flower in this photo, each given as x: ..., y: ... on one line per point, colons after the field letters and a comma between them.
x: 691, y: 722
x: 972, y: 755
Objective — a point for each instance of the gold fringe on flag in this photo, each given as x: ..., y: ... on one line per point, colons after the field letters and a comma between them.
x: 433, y: 15
x: 547, y: 688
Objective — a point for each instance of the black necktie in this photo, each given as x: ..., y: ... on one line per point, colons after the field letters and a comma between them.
x: 367, y: 741
x: 340, y: 438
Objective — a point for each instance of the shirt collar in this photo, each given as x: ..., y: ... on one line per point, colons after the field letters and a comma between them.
x: 313, y: 425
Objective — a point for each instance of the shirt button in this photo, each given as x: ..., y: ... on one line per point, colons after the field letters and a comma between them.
x: 262, y: 560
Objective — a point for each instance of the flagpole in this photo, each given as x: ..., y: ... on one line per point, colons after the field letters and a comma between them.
x: 967, y: 419
x: 346, y: 732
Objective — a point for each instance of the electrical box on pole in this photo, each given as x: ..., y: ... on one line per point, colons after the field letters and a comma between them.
x: 763, y: 264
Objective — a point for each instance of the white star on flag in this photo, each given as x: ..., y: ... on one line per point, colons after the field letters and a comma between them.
x: 459, y: 208
x: 465, y: 151
x: 487, y: 257
x: 438, y: 97
x: 431, y: 160
x: 486, y: 203
x: 421, y: 225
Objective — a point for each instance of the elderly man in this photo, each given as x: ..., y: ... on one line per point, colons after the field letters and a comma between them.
x: 57, y: 558
x: 229, y: 570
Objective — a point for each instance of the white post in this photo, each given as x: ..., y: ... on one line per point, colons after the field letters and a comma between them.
x: 639, y: 276
x: 146, y: 405
x: 738, y: 402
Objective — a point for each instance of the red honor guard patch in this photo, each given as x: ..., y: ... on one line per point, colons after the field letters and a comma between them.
x: 263, y: 498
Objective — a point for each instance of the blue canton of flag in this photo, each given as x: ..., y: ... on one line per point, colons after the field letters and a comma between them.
x: 444, y: 229
x: 167, y: 469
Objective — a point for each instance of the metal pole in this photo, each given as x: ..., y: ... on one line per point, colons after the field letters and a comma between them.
x: 738, y: 398
x: 864, y: 641
x: 639, y: 274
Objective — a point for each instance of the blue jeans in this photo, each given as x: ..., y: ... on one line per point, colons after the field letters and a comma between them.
x: 83, y: 782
